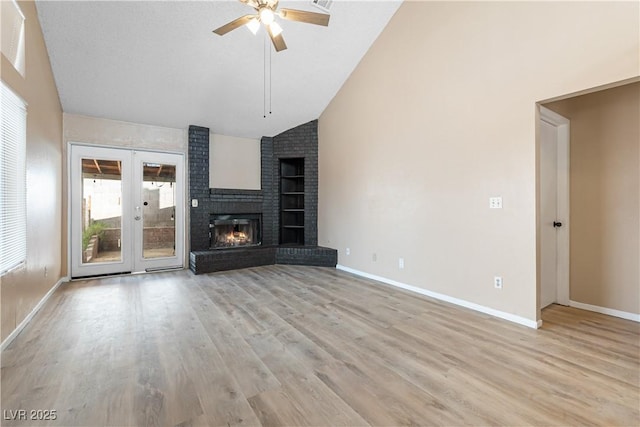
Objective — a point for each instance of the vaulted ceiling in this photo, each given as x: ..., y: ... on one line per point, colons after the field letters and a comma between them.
x: 158, y: 62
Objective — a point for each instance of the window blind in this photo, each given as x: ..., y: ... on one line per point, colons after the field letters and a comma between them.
x: 13, y: 207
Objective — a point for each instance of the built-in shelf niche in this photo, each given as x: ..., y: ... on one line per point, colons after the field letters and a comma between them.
x: 292, y: 201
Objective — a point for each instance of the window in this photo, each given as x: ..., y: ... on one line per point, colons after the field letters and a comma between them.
x: 12, y: 45
x: 13, y: 206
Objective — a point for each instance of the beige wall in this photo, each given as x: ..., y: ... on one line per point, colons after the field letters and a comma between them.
x: 605, y: 197
x: 234, y: 162
x: 114, y: 133
x: 23, y: 288
x: 440, y: 115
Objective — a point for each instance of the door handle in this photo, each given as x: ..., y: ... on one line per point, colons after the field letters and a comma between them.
x: 557, y: 224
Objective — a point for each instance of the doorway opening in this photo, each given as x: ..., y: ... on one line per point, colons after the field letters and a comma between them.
x: 604, y: 198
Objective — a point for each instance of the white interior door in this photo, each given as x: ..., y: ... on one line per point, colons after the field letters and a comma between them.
x: 548, y: 214
x: 127, y: 211
x: 554, y: 208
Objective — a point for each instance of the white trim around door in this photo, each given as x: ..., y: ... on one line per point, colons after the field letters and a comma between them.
x: 131, y: 199
x: 554, y: 229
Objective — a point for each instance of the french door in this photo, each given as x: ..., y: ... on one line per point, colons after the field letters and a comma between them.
x: 127, y: 211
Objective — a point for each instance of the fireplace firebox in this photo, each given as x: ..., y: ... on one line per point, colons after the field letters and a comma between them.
x: 234, y: 230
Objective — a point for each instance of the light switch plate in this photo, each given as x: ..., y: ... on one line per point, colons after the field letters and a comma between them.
x: 495, y: 202
x: 194, y: 203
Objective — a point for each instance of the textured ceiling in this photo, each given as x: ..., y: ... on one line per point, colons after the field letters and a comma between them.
x: 158, y: 62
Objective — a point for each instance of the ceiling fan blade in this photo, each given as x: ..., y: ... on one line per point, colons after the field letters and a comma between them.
x: 304, y: 16
x: 233, y: 25
x: 278, y: 41
x: 252, y: 3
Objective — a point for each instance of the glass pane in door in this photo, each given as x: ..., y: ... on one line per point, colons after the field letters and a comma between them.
x: 101, y: 211
x: 158, y: 210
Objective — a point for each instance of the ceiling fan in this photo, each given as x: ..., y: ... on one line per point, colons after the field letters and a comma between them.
x: 267, y: 11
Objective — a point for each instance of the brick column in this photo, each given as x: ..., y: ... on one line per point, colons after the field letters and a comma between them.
x: 199, y: 187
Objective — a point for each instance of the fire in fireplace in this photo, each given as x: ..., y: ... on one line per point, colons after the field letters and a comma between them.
x: 234, y: 230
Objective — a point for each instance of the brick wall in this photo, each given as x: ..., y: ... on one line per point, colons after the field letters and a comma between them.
x: 158, y: 237
x: 110, y: 240
x: 199, y: 187
x: 301, y: 141
x: 225, y: 201
x: 270, y: 200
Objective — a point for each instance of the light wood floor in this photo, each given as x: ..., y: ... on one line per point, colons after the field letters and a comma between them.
x: 284, y: 345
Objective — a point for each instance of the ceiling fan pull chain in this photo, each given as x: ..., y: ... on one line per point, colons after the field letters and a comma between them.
x: 270, y: 80
x: 264, y: 78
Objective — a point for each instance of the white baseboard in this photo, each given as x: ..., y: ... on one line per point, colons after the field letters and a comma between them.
x: 467, y: 304
x: 27, y: 319
x: 605, y: 310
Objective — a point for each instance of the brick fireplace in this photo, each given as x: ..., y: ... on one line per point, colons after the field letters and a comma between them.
x: 300, y: 143
x: 235, y: 230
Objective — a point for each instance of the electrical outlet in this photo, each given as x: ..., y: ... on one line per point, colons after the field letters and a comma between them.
x: 348, y: 251
x: 497, y: 282
x: 374, y: 257
x: 400, y: 263
x: 194, y: 203
x: 495, y: 202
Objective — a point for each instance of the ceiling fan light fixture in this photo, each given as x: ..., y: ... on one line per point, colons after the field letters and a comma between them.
x: 275, y: 28
x: 266, y: 15
x: 253, y: 25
